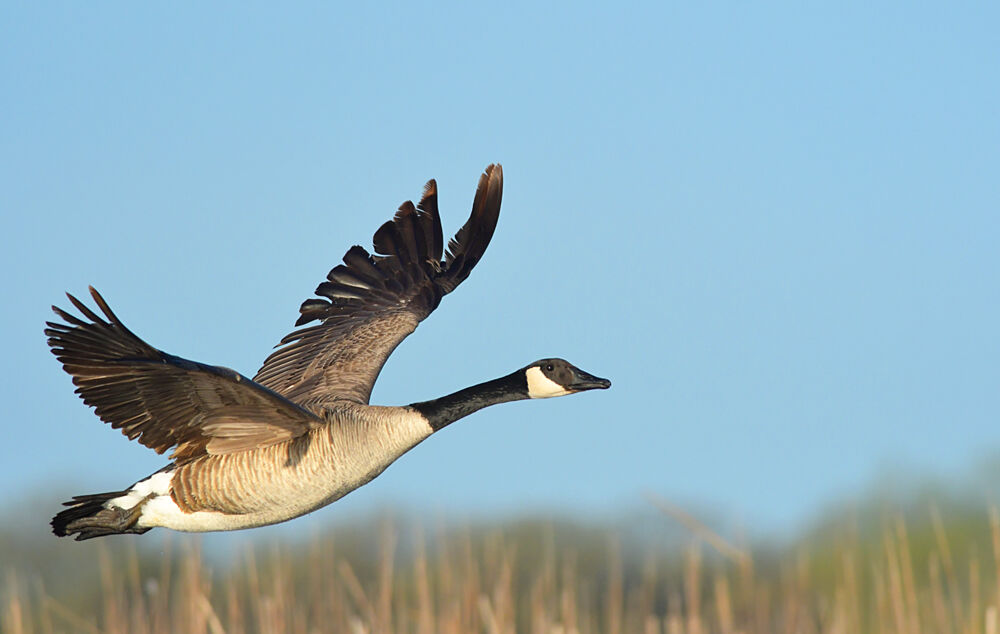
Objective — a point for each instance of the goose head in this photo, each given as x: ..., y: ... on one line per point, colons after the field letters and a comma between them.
x: 557, y: 377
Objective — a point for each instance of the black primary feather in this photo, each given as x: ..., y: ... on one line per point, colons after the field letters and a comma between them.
x: 372, y: 301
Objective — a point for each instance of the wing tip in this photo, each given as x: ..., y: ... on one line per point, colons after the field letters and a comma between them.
x: 430, y: 189
x: 470, y: 243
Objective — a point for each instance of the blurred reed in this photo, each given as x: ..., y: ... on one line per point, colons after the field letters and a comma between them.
x: 496, y: 583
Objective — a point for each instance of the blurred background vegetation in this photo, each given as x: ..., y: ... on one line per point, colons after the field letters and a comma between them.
x: 912, y: 555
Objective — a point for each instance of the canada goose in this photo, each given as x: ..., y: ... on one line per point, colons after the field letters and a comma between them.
x: 301, y: 434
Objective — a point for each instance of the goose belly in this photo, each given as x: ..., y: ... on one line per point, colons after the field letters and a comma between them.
x: 280, y: 482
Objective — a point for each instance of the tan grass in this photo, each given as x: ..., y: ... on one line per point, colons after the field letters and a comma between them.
x: 484, y: 583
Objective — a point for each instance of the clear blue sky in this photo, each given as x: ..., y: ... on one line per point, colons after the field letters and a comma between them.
x: 775, y: 229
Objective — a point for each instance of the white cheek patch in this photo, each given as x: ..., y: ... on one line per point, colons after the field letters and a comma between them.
x: 541, y: 386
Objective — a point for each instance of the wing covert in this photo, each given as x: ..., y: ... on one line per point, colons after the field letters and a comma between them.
x: 165, y: 401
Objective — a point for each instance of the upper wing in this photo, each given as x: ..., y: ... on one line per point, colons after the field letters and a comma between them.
x: 373, y: 302
x: 165, y: 401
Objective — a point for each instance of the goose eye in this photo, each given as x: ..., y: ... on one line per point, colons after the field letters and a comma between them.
x: 548, y: 368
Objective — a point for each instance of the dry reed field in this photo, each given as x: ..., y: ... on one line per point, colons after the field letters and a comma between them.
x: 396, y: 579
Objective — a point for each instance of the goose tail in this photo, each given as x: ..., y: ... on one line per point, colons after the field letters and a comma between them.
x: 94, y: 515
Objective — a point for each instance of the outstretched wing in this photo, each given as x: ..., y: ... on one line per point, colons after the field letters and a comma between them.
x: 371, y: 303
x: 165, y: 401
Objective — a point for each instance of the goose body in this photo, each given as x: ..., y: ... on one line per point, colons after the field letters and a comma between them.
x: 258, y: 487
x: 301, y: 434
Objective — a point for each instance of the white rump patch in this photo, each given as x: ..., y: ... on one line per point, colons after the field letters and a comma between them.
x: 158, y: 484
x: 541, y: 386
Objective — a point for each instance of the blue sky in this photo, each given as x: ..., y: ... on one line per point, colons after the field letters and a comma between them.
x: 774, y: 228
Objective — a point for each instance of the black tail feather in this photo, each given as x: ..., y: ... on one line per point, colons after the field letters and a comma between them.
x: 87, y: 517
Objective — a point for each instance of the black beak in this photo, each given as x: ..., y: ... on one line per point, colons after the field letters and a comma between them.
x: 583, y: 381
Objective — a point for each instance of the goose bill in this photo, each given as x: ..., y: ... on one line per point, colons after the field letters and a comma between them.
x: 583, y: 381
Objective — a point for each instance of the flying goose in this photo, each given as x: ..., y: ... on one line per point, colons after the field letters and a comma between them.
x: 301, y: 433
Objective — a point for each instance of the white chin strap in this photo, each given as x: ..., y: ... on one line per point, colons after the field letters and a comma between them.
x: 541, y: 386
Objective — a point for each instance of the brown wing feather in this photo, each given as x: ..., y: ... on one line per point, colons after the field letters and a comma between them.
x: 165, y: 401
x: 371, y: 303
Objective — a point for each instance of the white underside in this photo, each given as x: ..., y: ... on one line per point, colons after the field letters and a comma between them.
x: 160, y: 509
x: 163, y: 511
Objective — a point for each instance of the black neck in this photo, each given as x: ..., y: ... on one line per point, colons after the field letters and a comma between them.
x: 446, y: 410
